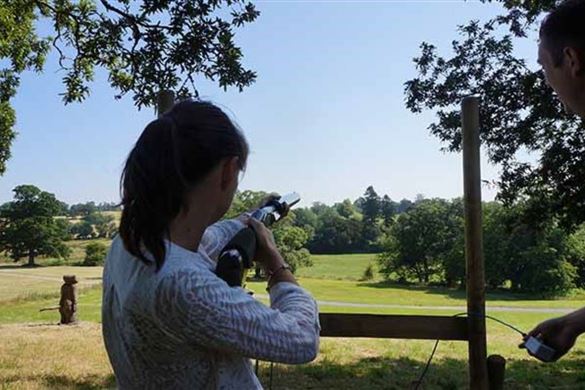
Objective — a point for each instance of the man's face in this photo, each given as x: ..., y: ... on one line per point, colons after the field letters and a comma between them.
x: 565, y: 79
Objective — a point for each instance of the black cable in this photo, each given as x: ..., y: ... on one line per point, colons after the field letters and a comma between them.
x: 422, y: 376
x: 491, y: 318
x: 508, y: 325
x: 437, y: 343
x: 271, y: 366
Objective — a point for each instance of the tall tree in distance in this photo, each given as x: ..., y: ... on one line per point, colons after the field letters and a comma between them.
x: 388, y: 210
x: 371, y: 205
x: 145, y: 46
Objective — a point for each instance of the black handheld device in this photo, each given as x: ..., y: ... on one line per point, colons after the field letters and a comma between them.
x: 540, y: 350
x: 236, y: 258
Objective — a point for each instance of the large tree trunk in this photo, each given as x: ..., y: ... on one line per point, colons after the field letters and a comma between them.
x: 31, y: 258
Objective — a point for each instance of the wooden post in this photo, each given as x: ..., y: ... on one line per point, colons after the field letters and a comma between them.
x: 166, y: 99
x: 496, y: 371
x: 478, y: 377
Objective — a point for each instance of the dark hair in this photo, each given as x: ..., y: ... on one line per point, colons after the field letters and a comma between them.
x: 173, y: 153
x: 564, y: 27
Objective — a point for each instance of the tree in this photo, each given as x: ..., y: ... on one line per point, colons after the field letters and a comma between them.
x: 420, y: 240
x: 370, y: 236
x: 63, y: 209
x: 388, y: 210
x: 519, y: 112
x: 403, y: 206
x: 82, y: 209
x: 145, y: 47
x: 546, y: 273
x: 335, y: 234
x: 453, y: 259
x: 539, y: 259
x: 291, y: 242
x: 108, y: 206
x: 30, y: 227
x: 346, y: 209
x: 82, y: 231
x: 305, y: 217
x: 371, y: 205
x: 576, y: 254
x: 95, y: 254
x: 497, y: 228
x: 371, y: 209
x: 104, y: 224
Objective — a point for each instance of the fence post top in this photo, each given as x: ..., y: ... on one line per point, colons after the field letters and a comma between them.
x: 471, y: 99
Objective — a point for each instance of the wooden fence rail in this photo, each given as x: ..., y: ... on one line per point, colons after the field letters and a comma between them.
x: 394, y: 326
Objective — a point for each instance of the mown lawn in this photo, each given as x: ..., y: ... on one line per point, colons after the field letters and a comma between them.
x: 21, y: 283
x: 40, y: 355
x: 35, y: 353
x: 76, y: 256
x: 334, y: 267
x: 17, y: 283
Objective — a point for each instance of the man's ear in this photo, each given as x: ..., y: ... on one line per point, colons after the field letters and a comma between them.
x: 229, y: 172
x: 576, y: 61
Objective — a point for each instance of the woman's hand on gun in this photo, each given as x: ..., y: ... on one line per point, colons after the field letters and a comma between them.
x: 268, y: 255
x: 266, y: 252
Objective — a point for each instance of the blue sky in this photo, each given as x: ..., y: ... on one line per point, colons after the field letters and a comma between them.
x: 326, y: 117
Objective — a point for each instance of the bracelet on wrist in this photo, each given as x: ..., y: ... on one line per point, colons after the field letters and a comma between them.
x: 272, y: 274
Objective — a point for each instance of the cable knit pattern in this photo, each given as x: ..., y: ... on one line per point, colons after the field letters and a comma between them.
x: 185, y: 328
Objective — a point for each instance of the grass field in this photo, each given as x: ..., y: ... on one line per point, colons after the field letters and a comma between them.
x: 35, y: 353
x: 21, y: 283
x: 77, y: 359
x: 346, y: 267
x: 76, y: 256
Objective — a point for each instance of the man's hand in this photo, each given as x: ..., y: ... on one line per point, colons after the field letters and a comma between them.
x: 557, y: 333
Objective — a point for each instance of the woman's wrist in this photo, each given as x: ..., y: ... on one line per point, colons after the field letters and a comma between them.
x: 275, y: 273
x: 273, y: 262
x: 282, y: 274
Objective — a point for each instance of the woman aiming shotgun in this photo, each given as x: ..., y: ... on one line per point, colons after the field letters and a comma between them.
x: 168, y: 320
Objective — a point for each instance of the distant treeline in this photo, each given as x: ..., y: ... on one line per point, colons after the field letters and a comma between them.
x: 419, y: 241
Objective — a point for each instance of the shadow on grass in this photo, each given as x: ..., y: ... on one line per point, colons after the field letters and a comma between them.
x: 371, y: 373
x: 18, y: 266
x: 403, y: 373
x: 51, y: 381
x: 455, y: 293
x: 89, y: 382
